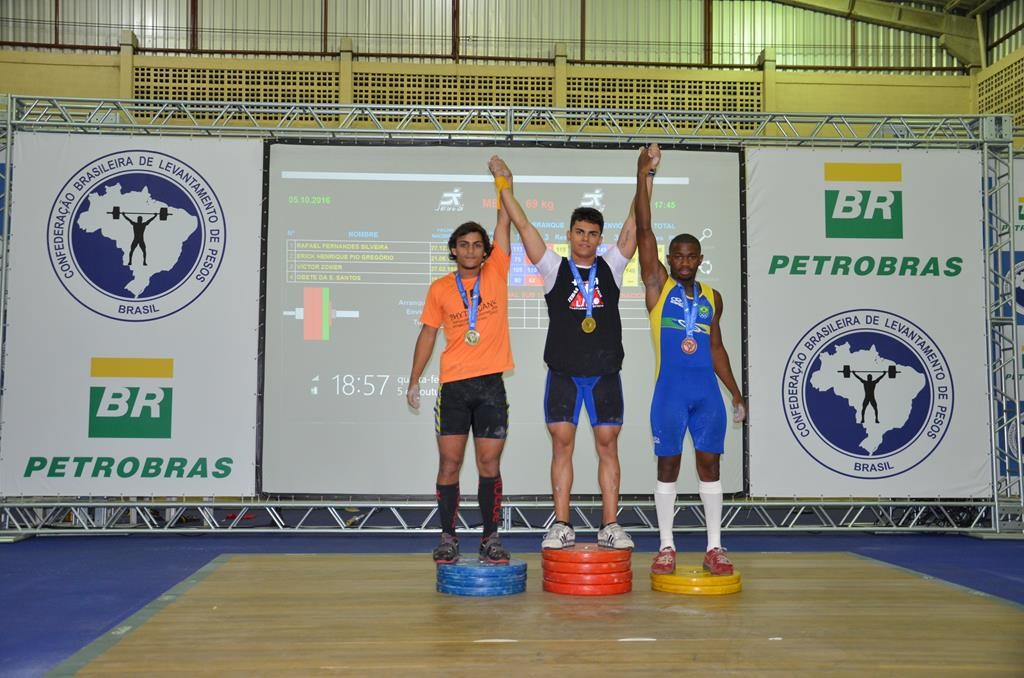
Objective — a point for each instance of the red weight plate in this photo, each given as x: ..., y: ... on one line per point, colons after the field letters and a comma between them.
x: 585, y: 590
x: 574, y: 578
x: 586, y: 553
x: 585, y: 568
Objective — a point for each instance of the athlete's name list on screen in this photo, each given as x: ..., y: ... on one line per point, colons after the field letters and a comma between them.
x: 388, y: 262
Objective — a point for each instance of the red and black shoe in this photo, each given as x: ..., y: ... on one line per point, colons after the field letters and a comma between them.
x: 447, y: 552
x: 493, y: 551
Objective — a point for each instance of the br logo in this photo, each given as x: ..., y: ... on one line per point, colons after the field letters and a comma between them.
x: 861, y: 200
x: 131, y: 399
x: 867, y: 394
x: 136, y: 235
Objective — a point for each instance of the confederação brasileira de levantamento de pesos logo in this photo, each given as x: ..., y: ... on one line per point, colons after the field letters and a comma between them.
x: 136, y: 235
x: 867, y: 393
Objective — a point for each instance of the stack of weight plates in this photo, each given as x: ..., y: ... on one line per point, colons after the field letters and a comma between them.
x: 697, y: 582
x: 473, y: 578
x: 587, y: 570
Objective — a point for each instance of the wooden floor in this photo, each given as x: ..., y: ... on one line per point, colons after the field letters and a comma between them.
x: 798, y: 614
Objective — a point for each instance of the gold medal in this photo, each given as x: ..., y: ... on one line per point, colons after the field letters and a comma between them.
x: 472, y: 337
x: 588, y: 325
x: 689, y: 346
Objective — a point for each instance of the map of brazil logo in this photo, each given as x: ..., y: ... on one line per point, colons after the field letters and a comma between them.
x: 136, y: 235
x: 867, y: 394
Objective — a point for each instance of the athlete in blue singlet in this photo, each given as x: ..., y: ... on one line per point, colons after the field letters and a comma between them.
x: 691, y: 359
x: 686, y: 393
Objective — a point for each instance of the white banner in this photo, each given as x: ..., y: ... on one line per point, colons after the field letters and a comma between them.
x: 133, y: 315
x: 867, y: 324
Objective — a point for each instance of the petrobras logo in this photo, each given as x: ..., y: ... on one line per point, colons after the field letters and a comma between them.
x: 451, y: 201
x: 136, y: 235
x: 862, y: 200
x: 130, y: 397
x: 867, y: 394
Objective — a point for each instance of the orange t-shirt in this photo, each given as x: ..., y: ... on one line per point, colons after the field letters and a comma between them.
x: 444, y: 308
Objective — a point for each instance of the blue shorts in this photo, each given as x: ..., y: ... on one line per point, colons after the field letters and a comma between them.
x: 565, y: 395
x: 688, y: 403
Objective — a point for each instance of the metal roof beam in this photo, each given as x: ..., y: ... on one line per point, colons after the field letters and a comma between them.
x: 958, y: 35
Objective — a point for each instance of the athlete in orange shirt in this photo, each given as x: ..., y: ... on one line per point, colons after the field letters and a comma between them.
x: 471, y: 304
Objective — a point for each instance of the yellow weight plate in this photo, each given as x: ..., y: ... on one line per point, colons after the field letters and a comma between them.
x: 699, y: 590
x: 696, y: 577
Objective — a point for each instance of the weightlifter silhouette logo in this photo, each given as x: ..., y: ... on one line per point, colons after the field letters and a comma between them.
x: 136, y: 235
x: 867, y: 393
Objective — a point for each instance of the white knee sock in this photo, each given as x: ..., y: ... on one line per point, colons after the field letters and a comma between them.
x: 711, y: 496
x: 665, y: 504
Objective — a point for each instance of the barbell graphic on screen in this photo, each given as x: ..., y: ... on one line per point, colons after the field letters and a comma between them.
x: 317, y: 314
x: 891, y: 372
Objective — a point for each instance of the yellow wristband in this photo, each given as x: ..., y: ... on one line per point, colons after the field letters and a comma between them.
x: 500, y: 183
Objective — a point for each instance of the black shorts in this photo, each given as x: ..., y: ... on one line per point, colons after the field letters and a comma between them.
x: 477, y: 403
x: 564, y: 396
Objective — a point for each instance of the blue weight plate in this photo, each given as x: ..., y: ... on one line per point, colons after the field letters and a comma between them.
x: 481, y: 582
x: 478, y: 569
x: 481, y: 590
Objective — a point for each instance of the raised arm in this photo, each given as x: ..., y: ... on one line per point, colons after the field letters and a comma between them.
x: 533, y: 243
x: 420, y: 357
x: 502, y: 229
x: 720, y: 361
x: 627, y: 236
x: 652, y: 271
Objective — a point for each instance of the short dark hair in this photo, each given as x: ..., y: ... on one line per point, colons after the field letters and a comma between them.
x: 469, y: 227
x: 587, y: 214
x: 685, y: 239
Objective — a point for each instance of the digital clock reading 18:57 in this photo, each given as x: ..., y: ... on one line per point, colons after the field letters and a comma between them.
x: 360, y: 385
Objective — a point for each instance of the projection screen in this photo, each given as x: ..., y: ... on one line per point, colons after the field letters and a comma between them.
x: 355, y: 236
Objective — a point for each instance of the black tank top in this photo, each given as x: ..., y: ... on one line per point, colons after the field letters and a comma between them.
x: 569, y: 349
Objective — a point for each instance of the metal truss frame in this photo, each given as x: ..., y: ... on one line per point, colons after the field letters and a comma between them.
x: 68, y: 516
x: 1002, y: 512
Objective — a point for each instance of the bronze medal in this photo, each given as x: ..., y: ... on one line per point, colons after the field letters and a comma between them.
x: 472, y: 337
x: 588, y: 325
x: 689, y: 346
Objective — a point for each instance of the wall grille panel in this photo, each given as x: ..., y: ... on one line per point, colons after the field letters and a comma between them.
x: 1001, y: 88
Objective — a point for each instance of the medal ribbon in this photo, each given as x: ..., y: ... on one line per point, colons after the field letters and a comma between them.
x: 465, y: 300
x: 588, y: 292
x: 690, y: 308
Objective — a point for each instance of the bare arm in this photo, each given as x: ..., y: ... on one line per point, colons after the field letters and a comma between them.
x: 627, y: 236
x: 720, y: 360
x: 420, y: 357
x: 533, y: 243
x: 652, y: 271
x: 502, y: 230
